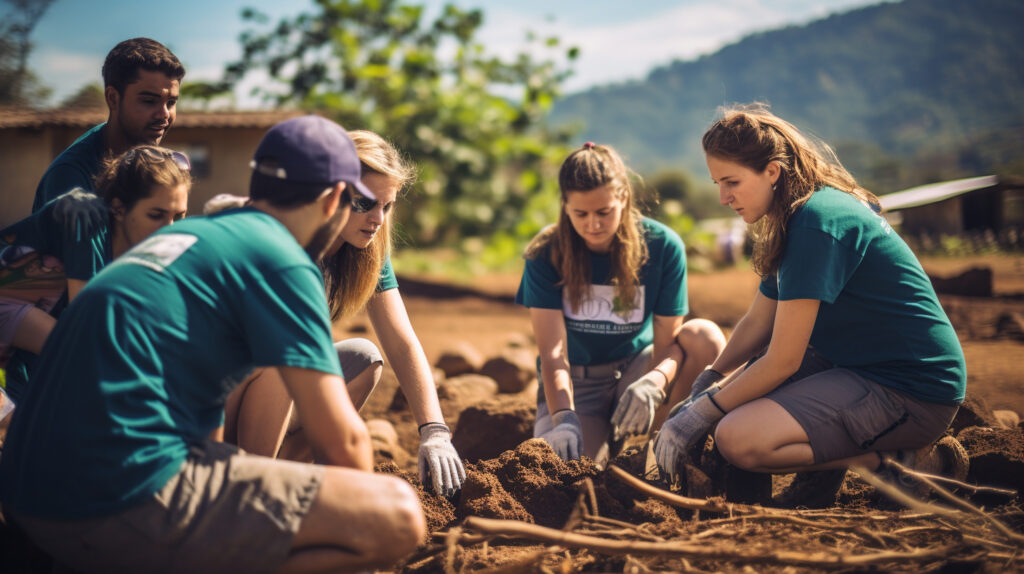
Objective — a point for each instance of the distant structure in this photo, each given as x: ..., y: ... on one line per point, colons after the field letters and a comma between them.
x: 974, y: 205
x: 220, y: 145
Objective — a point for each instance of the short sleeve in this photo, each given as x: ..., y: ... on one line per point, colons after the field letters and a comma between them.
x: 815, y: 266
x: 770, y: 287
x: 538, y: 287
x: 387, y: 280
x: 672, y: 298
x: 285, y: 320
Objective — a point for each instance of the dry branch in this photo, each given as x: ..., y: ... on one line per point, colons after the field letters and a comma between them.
x: 517, y: 529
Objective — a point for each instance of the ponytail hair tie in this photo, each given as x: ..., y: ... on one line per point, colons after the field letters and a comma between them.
x: 588, y: 145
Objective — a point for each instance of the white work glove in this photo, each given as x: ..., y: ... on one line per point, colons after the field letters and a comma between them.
x: 566, y: 437
x: 704, y: 380
x: 635, y: 411
x: 691, y: 422
x: 79, y: 211
x: 439, y: 461
x: 223, y: 201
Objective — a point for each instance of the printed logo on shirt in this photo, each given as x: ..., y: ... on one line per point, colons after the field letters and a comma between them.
x: 159, y: 251
x: 603, y: 312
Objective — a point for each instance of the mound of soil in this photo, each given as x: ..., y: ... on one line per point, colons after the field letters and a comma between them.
x: 493, y: 427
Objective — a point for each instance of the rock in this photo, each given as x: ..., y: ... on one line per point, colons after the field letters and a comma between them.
x: 975, y: 282
x: 512, y: 370
x: 974, y: 411
x: 996, y: 455
x: 489, y: 429
x: 384, y: 440
x: 459, y: 359
x: 458, y: 393
x: 1007, y: 418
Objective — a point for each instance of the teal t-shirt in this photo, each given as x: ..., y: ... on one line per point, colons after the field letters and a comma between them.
x: 139, y: 365
x: 879, y: 315
x: 387, y: 279
x: 602, y: 330
x: 53, y: 256
x: 74, y: 167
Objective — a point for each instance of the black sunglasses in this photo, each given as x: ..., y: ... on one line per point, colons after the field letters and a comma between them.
x: 363, y: 204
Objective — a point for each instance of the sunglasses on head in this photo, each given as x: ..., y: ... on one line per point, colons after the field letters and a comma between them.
x: 157, y: 155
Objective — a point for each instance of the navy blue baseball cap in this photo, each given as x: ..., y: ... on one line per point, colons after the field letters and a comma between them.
x: 310, y: 150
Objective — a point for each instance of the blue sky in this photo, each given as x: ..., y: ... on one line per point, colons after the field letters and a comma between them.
x: 619, y: 40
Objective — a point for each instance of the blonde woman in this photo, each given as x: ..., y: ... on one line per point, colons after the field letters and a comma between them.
x: 357, y: 272
x: 606, y: 289
x: 857, y: 360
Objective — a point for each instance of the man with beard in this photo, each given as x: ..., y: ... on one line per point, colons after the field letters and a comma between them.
x: 111, y: 465
x: 141, y: 80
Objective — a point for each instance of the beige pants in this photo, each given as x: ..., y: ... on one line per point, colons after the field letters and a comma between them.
x: 225, y: 511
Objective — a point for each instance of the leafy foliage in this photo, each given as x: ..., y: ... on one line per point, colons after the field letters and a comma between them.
x: 908, y: 92
x: 470, y: 121
x: 18, y: 85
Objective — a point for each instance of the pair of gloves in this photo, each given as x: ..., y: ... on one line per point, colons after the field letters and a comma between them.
x: 439, y: 463
x: 635, y: 414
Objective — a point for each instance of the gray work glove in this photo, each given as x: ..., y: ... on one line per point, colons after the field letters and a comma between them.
x: 691, y: 422
x: 566, y: 437
x: 80, y: 211
x: 439, y: 461
x: 704, y: 380
x: 635, y: 411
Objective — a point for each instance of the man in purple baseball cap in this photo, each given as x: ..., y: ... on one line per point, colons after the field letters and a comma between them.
x: 113, y: 463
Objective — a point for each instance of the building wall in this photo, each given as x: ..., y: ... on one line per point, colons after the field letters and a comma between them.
x: 221, y: 157
x: 24, y: 156
x: 945, y: 218
x: 227, y: 155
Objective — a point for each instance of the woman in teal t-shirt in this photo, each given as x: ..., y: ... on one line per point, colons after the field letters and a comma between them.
x: 46, y: 255
x: 357, y: 272
x: 606, y: 289
x: 856, y: 361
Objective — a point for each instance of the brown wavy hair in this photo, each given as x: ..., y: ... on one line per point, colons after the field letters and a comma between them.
x: 753, y: 137
x: 351, y: 274
x: 586, y: 169
x: 133, y: 175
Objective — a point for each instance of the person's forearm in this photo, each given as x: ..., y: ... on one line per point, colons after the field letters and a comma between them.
x: 416, y: 379
x: 557, y: 387
x: 763, y: 376
x: 746, y: 341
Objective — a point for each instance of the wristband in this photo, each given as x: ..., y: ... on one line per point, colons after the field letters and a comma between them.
x: 420, y: 428
x: 711, y: 398
x: 562, y: 411
x: 664, y: 374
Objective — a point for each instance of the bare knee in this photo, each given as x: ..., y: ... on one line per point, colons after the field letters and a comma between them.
x: 735, y: 444
x: 408, y: 522
x: 702, y: 341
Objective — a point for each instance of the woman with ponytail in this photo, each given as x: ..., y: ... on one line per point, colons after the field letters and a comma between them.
x: 606, y: 288
x: 855, y: 362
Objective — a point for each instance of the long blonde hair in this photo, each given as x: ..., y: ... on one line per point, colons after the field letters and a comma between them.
x: 754, y: 137
x: 586, y: 169
x: 351, y: 274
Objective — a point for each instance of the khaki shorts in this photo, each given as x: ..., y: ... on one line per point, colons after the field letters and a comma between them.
x: 845, y: 414
x: 225, y: 511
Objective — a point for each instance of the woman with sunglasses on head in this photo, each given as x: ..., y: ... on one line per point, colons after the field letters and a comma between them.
x: 606, y: 289
x: 357, y: 272
x: 48, y: 257
x: 857, y: 362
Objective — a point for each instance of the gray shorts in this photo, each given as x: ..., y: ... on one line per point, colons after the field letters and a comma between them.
x: 225, y: 511
x: 845, y: 414
x: 356, y: 355
x: 595, y: 391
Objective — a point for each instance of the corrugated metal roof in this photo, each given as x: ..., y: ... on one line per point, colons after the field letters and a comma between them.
x: 11, y: 118
x: 934, y: 192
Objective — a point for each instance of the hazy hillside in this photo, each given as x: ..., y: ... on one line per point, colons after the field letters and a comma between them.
x: 915, y: 78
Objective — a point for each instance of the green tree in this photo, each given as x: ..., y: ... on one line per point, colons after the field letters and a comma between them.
x: 471, y: 121
x: 18, y: 85
x: 88, y: 96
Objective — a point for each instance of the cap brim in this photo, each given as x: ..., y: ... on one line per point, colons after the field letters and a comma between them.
x: 361, y: 188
